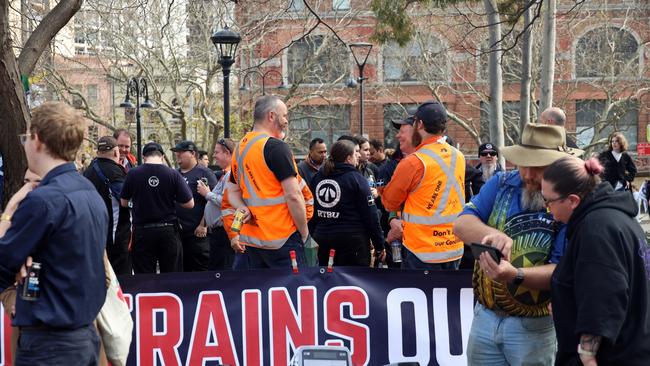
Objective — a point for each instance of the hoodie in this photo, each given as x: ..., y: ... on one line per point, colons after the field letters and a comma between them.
x: 343, y: 204
x: 601, y: 285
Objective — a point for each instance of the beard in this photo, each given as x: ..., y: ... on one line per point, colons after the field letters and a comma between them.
x: 416, y: 139
x: 488, y: 170
x: 278, y: 125
x: 532, y: 199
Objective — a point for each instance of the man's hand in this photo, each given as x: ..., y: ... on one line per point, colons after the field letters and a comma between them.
x: 202, y: 188
x: 503, y: 272
x: 588, y: 360
x: 373, y: 192
x: 236, y: 245
x: 22, y: 272
x: 18, y: 197
x: 201, y: 231
x: 395, y: 232
x: 500, y: 241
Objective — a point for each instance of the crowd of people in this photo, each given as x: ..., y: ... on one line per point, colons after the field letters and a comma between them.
x: 570, y: 285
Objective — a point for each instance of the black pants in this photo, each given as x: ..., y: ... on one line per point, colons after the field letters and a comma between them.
x: 351, y: 249
x: 58, y: 347
x: 160, y: 244
x: 221, y: 254
x: 196, y: 253
x: 119, y: 256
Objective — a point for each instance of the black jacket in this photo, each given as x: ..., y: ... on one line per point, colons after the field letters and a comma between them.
x: 601, y: 285
x: 343, y: 204
x: 114, y: 172
x: 622, y: 171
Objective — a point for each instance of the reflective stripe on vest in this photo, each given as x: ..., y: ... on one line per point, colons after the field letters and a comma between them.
x: 437, y: 218
x: 228, y: 211
x: 428, y: 234
x: 249, y: 240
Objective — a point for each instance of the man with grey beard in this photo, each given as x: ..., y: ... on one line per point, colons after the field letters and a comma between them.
x: 511, y: 322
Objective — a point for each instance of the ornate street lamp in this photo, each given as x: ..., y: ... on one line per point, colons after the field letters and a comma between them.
x: 263, y: 76
x: 226, y: 42
x: 137, y: 87
x: 360, y: 52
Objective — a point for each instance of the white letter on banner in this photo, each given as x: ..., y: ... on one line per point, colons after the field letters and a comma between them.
x: 394, y: 302
x: 441, y: 325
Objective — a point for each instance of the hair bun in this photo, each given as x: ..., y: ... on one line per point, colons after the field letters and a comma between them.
x: 593, y: 166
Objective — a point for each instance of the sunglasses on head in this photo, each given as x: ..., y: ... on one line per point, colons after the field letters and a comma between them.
x: 222, y: 142
x: 490, y: 153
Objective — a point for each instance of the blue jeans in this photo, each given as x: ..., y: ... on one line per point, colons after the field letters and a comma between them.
x: 497, y: 339
x: 78, y: 347
x: 411, y: 261
x: 278, y: 258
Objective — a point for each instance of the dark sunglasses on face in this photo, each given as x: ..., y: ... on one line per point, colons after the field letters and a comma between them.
x: 488, y: 154
x: 222, y: 142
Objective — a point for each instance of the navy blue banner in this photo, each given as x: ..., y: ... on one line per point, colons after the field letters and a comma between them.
x: 260, y: 317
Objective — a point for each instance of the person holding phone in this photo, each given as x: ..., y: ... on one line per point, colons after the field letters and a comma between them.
x: 601, y: 287
x: 511, y: 322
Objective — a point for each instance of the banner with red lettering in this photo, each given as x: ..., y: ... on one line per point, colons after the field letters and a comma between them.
x: 259, y: 317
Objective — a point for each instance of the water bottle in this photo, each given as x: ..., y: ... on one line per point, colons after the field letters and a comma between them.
x: 396, y: 251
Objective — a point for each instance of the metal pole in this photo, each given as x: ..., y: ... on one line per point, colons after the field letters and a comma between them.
x: 361, y: 78
x: 226, y: 62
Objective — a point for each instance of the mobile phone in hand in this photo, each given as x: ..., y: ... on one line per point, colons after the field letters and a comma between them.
x: 478, y: 248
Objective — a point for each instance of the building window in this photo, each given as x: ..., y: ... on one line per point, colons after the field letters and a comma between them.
x: 422, y: 59
x: 317, y: 60
x: 393, y: 112
x: 510, y: 122
x: 341, y: 4
x: 91, y: 95
x: 296, y: 5
x: 90, y: 35
x: 592, y: 126
x: 328, y: 122
x: 607, y: 52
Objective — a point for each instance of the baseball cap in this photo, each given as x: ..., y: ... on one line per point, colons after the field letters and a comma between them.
x: 185, y: 146
x: 106, y: 143
x: 408, y: 120
x: 432, y: 114
x: 487, y: 147
x: 151, y: 147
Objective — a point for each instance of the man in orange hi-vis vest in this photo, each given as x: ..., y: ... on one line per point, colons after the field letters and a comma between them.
x: 428, y: 186
x: 264, y: 186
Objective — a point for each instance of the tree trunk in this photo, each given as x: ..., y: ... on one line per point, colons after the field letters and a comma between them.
x: 526, y: 67
x: 495, y: 76
x: 13, y: 111
x: 13, y: 107
x: 548, y: 56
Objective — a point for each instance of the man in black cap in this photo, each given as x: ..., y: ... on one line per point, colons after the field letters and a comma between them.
x: 194, y: 231
x: 154, y: 190
x: 428, y: 185
x: 108, y: 175
x: 488, y: 155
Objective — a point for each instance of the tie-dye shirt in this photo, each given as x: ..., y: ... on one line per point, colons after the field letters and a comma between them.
x: 537, y: 240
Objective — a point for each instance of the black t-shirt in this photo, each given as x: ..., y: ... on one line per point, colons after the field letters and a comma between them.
x: 154, y: 189
x: 279, y: 159
x: 114, y: 172
x: 190, y: 218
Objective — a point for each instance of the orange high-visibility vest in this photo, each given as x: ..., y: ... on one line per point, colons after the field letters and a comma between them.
x: 430, y: 210
x: 271, y: 223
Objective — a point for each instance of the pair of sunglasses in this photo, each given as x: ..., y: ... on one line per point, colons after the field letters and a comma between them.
x: 488, y: 154
x: 222, y: 142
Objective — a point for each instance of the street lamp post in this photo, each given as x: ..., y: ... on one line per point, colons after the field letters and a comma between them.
x: 137, y: 87
x: 262, y: 75
x: 360, y: 52
x: 226, y: 42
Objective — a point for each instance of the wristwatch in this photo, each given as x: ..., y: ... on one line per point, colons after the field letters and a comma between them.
x: 519, y: 277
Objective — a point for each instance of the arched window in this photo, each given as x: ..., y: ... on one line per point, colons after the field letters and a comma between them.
x: 317, y: 60
x: 607, y: 52
x: 422, y: 59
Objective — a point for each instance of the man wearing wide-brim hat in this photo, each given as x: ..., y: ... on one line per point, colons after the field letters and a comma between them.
x: 512, y: 324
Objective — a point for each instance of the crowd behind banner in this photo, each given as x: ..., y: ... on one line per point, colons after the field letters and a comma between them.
x: 419, y: 205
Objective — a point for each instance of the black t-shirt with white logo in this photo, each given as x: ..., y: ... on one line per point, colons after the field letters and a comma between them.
x: 190, y: 218
x: 154, y: 190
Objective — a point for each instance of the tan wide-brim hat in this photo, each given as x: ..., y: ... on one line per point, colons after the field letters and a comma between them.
x: 541, y: 145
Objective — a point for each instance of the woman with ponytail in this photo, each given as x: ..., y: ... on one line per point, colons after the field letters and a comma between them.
x: 345, y: 215
x: 600, y: 289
